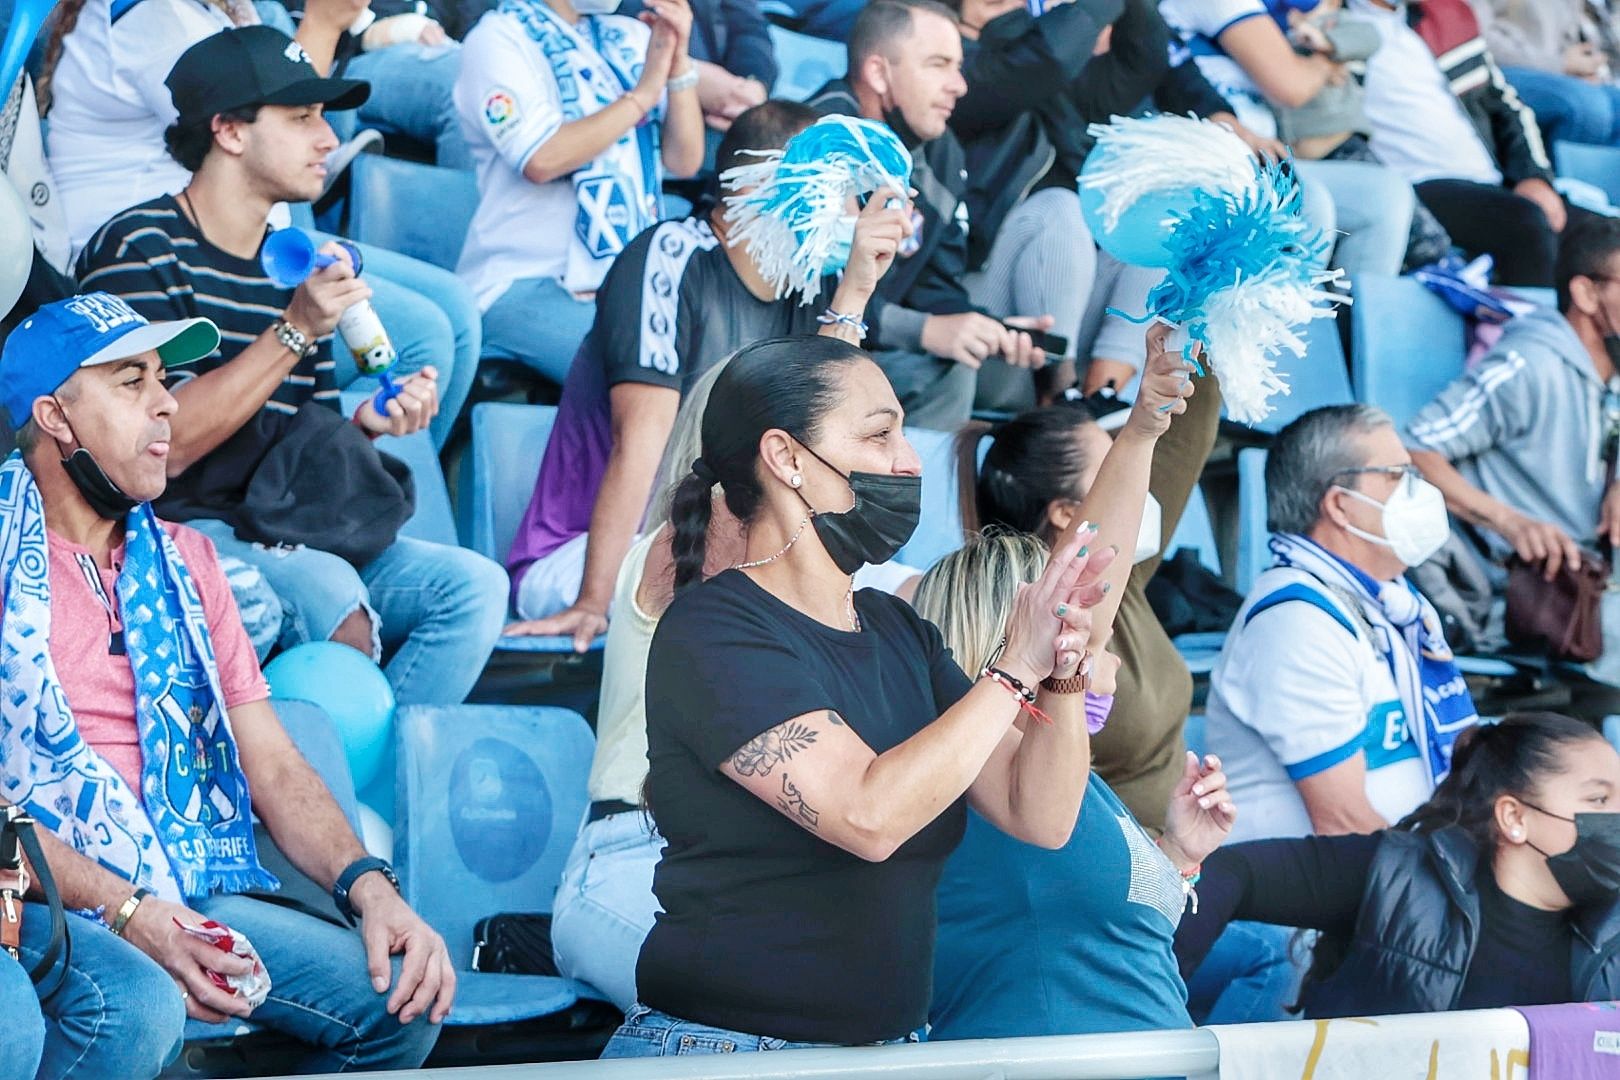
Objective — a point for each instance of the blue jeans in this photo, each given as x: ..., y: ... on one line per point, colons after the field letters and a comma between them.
x: 320, y: 991
x: 437, y: 610
x: 117, y: 1014
x: 605, y: 905
x: 24, y: 1040
x: 431, y: 317
x: 650, y: 1033
x: 1569, y: 108
x: 411, y: 95
x: 1372, y: 207
x: 1248, y: 977
x: 538, y: 323
x: 257, y: 603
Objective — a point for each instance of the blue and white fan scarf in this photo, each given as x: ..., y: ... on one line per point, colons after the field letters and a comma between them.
x: 189, y: 834
x: 791, y: 207
x: 1407, y: 632
x: 620, y: 193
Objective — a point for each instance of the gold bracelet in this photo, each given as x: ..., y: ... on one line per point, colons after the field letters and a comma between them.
x: 127, y: 911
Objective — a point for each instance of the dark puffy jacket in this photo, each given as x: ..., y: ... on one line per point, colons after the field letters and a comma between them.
x: 1505, y: 123
x: 928, y: 281
x: 1417, y: 928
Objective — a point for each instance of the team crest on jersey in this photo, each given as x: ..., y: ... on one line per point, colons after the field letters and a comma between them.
x: 500, y: 109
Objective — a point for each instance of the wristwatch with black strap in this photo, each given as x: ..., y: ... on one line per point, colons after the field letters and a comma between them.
x: 351, y: 874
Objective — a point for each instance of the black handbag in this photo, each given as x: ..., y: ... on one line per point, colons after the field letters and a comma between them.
x: 514, y: 943
x: 16, y: 838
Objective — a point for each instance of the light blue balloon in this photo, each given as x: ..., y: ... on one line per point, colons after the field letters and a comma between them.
x: 353, y: 691
x: 1138, y: 238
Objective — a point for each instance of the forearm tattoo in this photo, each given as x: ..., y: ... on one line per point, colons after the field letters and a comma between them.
x: 791, y: 802
x: 760, y: 755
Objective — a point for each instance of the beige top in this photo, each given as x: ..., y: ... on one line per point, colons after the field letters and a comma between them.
x: 620, y: 764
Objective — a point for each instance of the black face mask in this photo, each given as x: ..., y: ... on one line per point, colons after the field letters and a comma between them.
x: 886, y: 511
x: 1589, y: 872
x: 106, y: 498
x: 897, y: 123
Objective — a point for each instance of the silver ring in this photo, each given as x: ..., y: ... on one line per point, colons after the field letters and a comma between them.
x: 1062, y: 610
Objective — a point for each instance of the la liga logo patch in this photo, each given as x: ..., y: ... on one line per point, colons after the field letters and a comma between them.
x: 500, y: 108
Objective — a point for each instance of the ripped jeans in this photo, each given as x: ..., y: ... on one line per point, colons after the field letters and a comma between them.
x: 436, y: 611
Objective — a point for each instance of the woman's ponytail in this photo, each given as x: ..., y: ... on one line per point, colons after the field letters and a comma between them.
x: 689, y: 511
x: 1514, y: 756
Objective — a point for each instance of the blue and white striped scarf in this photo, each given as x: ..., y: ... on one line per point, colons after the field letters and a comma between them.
x: 189, y: 833
x: 620, y: 193
x: 1407, y: 634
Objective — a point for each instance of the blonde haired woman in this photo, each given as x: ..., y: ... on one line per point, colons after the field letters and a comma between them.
x: 1077, y: 940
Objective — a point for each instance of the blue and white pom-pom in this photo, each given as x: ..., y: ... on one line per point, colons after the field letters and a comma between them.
x: 1244, y: 270
x: 791, y: 209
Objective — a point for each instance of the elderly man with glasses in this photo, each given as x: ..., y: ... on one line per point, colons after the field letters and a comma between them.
x: 1335, y: 701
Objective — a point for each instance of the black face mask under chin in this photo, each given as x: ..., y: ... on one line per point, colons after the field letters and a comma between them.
x: 106, y: 498
x: 1589, y: 872
x: 897, y: 123
x: 886, y: 511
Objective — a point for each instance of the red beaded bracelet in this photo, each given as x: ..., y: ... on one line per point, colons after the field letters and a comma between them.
x: 1025, y: 696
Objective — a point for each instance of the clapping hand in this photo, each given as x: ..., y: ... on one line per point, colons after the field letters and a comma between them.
x: 1050, y: 625
x: 1200, y: 815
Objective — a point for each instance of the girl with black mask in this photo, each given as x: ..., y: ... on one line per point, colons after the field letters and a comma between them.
x: 1503, y: 889
x: 811, y: 748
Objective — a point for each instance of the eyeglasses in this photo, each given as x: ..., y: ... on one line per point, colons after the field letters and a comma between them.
x: 1398, y: 472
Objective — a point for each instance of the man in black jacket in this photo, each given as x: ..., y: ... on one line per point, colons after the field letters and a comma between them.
x: 1035, y: 85
x: 927, y: 332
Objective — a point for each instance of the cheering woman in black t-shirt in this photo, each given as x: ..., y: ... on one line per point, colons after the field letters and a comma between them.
x: 810, y: 747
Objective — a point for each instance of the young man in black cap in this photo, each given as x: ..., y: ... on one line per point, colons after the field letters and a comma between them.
x: 252, y: 130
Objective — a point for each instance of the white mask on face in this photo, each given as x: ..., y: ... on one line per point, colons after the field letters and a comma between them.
x: 596, y: 7
x: 1415, y: 521
x: 1151, y: 535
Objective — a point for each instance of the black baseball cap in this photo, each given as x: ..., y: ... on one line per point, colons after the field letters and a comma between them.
x: 253, y: 65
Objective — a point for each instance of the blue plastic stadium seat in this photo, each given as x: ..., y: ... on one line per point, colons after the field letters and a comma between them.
x: 1408, y: 344
x: 1318, y: 378
x: 939, y: 532
x: 423, y: 211
x: 489, y: 800
x: 1596, y: 165
x: 497, y: 482
x: 805, y: 63
x: 1195, y: 531
x: 433, y: 519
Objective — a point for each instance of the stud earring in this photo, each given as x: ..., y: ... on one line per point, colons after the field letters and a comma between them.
x: 1518, y: 834
x: 797, y: 480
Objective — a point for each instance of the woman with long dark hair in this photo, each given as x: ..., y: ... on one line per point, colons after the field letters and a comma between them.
x: 1502, y: 889
x: 1042, y: 468
x: 810, y: 747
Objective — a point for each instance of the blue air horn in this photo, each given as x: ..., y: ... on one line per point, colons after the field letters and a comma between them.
x: 288, y: 257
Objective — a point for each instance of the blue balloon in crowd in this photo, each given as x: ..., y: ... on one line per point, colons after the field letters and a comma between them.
x: 1138, y: 238
x: 353, y: 691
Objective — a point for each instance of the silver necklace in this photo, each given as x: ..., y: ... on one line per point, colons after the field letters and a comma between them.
x: 849, y: 597
x: 772, y: 558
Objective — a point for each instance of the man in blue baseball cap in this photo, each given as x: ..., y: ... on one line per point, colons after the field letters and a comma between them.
x: 116, y: 349
x: 134, y: 697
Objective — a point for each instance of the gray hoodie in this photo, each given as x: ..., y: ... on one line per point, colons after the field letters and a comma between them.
x: 1526, y: 426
